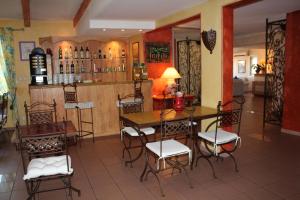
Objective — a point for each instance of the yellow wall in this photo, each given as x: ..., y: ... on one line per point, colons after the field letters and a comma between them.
x: 38, y: 29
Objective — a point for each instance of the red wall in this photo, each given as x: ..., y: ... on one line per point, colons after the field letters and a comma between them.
x: 227, y: 52
x: 155, y: 70
x: 291, y: 108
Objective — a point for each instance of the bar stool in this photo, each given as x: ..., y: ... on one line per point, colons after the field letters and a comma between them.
x: 71, y: 102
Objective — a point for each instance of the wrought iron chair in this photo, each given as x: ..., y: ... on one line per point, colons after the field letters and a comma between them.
x: 130, y: 104
x: 40, y: 113
x: 4, y: 110
x: 44, y: 158
x: 138, y: 89
x: 71, y: 102
x: 222, y: 140
x: 169, y: 149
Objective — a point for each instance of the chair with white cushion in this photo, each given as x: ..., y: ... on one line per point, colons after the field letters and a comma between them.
x: 132, y: 104
x: 224, y: 137
x: 170, y: 151
x: 44, y: 158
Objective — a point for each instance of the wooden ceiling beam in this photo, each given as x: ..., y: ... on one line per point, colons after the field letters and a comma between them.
x: 26, y: 12
x: 80, y: 11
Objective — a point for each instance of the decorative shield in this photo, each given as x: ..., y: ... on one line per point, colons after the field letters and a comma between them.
x: 209, y: 39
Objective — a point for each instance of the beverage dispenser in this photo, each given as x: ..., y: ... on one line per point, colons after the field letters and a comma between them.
x: 38, y: 67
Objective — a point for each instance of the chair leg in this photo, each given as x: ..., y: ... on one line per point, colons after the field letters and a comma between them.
x: 206, y: 158
x: 234, y: 160
x: 188, y: 177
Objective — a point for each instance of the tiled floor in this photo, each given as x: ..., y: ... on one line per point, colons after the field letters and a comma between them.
x: 269, y: 170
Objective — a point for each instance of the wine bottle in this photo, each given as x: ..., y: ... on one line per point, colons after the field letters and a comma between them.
x: 77, y: 67
x: 61, y: 68
x: 76, y: 53
x: 109, y: 53
x: 82, y: 69
x: 67, y: 68
x: 87, y: 53
x: 72, y: 68
x: 66, y: 54
x: 60, y: 53
x: 99, y: 54
x: 81, y: 53
x: 123, y: 53
x: 70, y: 53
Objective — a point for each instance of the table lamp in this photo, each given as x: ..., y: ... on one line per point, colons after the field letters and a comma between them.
x: 170, y: 74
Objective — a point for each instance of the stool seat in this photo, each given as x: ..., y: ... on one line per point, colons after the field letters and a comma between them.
x: 80, y: 105
x: 128, y: 100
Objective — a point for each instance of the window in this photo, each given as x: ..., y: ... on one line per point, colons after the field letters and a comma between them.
x: 3, y: 84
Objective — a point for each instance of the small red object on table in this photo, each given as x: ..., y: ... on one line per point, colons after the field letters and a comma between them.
x: 160, y: 100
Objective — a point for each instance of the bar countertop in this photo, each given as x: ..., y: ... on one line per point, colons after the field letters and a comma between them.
x: 83, y: 84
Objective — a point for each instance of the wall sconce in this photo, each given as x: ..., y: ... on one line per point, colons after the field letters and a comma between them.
x: 209, y: 39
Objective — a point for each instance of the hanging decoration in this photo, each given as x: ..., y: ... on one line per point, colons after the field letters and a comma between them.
x: 209, y: 39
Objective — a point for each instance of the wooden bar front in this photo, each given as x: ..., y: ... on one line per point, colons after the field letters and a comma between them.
x: 103, y: 95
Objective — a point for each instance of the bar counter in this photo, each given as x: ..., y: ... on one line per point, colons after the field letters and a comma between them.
x: 102, y: 94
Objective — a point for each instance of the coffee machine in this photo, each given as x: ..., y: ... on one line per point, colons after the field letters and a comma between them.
x: 38, y: 67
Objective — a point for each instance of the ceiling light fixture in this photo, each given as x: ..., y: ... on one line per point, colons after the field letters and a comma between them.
x: 104, y: 29
x: 140, y: 30
x: 123, y: 30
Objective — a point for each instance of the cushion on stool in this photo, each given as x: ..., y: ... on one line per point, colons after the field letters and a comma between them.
x: 48, y: 166
x: 80, y: 105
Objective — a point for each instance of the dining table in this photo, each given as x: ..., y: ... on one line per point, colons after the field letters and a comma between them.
x: 48, y: 128
x: 153, y: 119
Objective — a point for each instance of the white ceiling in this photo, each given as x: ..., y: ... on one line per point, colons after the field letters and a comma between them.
x: 252, y: 18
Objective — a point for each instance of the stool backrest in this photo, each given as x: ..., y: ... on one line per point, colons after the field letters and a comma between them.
x: 70, y: 93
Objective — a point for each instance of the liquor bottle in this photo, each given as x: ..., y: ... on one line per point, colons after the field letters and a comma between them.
x: 61, y: 68
x: 87, y: 53
x: 60, y: 53
x: 70, y: 53
x: 77, y: 67
x: 123, y: 53
x: 99, y: 54
x: 66, y: 53
x: 76, y: 53
x: 82, y: 69
x: 109, y: 53
x: 81, y: 53
x: 72, y: 68
x: 67, y: 68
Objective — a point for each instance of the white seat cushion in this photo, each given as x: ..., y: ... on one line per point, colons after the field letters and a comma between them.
x: 80, y: 105
x: 128, y: 100
x: 48, y: 166
x: 169, y: 148
x: 222, y: 136
x: 132, y: 132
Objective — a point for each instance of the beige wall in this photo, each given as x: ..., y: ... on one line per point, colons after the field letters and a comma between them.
x: 38, y: 29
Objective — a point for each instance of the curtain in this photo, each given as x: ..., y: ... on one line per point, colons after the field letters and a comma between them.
x: 7, y: 66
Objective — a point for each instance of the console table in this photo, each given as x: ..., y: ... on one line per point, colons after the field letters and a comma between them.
x: 159, y: 100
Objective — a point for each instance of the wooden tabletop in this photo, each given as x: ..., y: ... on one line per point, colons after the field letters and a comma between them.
x: 152, y: 118
x: 38, y: 129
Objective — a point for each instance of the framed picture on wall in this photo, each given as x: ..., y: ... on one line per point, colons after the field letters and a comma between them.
x: 241, y: 66
x: 25, y: 48
x: 157, y: 52
x: 135, y: 53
